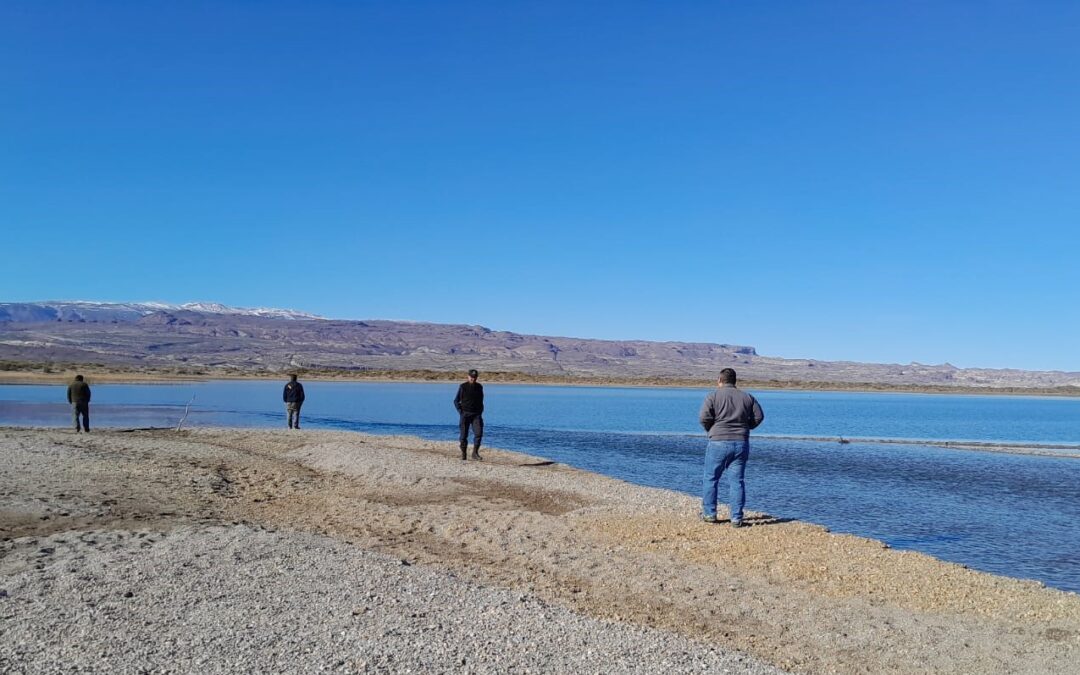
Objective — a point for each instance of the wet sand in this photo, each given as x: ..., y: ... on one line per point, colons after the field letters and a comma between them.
x: 788, y: 593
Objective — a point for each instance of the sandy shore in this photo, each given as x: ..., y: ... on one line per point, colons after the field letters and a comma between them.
x: 621, y: 564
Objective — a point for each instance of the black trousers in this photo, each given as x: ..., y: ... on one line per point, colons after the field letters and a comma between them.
x: 83, y: 409
x: 476, y: 421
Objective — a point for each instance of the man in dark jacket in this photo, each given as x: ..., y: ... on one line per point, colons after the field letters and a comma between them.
x: 78, y: 395
x: 294, y: 399
x: 728, y: 414
x: 470, y: 406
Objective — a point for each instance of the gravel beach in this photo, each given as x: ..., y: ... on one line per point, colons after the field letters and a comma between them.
x: 218, y: 550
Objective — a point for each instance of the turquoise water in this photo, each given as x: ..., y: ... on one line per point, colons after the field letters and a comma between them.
x: 1009, y: 514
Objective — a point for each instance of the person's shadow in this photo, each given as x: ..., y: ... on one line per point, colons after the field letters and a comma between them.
x: 757, y: 521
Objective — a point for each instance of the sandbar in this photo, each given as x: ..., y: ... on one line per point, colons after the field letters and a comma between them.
x: 582, y: 547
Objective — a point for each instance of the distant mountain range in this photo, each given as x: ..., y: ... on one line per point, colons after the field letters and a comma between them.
x: 210, y: 335
x: 108, y: 312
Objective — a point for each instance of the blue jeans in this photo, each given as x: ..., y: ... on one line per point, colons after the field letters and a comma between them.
x: 721, y: 457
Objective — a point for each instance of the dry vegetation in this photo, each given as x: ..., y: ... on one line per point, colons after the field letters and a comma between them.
x: 18, y: 372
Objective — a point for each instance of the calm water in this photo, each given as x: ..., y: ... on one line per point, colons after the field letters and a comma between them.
x: 1015, y: 515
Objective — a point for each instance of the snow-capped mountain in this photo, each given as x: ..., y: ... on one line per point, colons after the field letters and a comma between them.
x: 218, y: 308
x: 117, y: 312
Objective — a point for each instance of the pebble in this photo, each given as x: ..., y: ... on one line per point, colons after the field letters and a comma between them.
x: 301, y: 602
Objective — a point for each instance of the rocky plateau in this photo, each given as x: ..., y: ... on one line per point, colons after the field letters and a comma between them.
x: 208, y: 335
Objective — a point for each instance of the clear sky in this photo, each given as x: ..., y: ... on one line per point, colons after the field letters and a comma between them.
x: 867, y: 181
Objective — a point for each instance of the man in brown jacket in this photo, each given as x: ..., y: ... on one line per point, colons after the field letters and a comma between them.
x: 78, y: 395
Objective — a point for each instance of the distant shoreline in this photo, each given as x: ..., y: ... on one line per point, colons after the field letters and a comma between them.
x: 19, y: 374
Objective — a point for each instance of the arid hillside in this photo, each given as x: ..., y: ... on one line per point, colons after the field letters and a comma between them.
x: 213, y: 336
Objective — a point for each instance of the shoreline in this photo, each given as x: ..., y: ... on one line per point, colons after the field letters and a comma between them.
x: 787, y: 593
x: 1036, y: 449
x: 118, y: 376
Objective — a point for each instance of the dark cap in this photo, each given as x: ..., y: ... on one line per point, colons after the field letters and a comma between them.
x: 474, y: 373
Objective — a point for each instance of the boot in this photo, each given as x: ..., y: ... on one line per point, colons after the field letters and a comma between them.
x: 475, y: 452
x: 464, y: 454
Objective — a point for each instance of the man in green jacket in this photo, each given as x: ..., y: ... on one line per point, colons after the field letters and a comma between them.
x: 78, y: 395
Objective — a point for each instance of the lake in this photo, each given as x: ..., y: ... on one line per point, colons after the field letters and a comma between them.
x: 1010, y: 514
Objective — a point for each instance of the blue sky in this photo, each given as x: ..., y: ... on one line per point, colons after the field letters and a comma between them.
x: 887, y: 182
